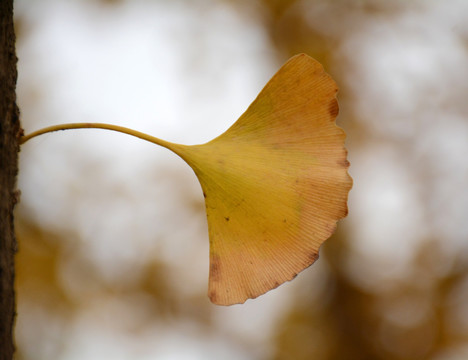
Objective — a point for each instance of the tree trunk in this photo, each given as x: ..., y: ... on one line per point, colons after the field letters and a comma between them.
x: 9, y: 130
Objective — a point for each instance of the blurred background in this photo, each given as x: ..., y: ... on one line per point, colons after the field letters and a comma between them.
x: 113, y: 244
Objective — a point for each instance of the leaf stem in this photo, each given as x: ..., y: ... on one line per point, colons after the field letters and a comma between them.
x: 168, y: 145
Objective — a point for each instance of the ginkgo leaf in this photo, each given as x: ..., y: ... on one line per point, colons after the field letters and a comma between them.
x: 275, y: 183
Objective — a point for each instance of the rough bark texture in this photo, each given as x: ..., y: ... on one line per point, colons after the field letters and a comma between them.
x: 9, y: 128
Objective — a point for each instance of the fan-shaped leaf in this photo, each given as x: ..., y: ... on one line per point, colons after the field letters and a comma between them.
x: 275, y: 183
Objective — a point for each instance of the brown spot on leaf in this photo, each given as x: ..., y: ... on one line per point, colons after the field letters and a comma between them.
x: 313, y: 256
x: 345, y: 213
x: 333, y: 108
x: 226, y: 218
x: 343, y: 162
x: 213, y: 296
x: 215, y: 271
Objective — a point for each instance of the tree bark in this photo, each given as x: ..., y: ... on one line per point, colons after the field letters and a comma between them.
x: 9, y: 131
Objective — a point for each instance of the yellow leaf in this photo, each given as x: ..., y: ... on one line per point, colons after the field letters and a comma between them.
x: 275, y: 183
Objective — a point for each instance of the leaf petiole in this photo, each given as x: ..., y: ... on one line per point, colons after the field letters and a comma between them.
x: 121, y: 129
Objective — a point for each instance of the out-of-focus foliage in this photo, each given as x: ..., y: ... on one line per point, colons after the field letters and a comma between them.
x: 391, y: 284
